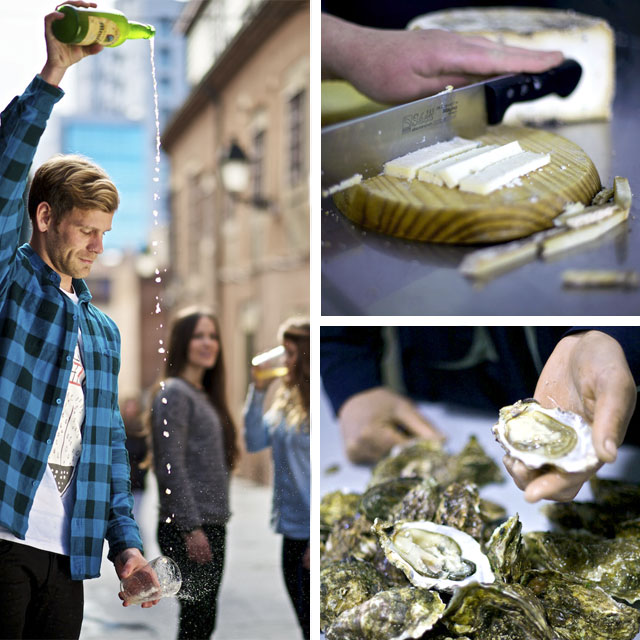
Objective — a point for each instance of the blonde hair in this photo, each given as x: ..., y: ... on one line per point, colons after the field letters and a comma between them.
x: 68, y: 181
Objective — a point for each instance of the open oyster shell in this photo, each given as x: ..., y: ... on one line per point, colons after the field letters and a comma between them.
x: 432, y: 555
x: 395, y: 614
x: 538, y: 436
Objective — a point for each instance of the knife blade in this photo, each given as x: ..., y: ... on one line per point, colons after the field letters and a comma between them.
x: 364, y: 144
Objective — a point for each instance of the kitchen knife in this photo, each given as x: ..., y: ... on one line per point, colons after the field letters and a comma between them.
x: 364, y: 144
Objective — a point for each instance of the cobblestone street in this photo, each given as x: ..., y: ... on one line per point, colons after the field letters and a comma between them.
x: 253, y: 602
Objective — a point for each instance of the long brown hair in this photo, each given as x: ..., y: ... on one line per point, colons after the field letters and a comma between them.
x: 214, y: 381
x: 297, y: 330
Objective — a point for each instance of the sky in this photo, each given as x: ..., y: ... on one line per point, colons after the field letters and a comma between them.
x: 22, y: 47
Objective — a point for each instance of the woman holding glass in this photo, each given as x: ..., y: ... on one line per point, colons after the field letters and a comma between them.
x: 284, y: 426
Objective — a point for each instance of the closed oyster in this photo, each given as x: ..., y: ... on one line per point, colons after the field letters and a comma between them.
x: 433, y: 556
x: 336, y: 505
x: 418, y: 504
x: 344, y: 585
x: 610, y: 563
x: 350, y: 537
x: 538, y: 436
x: 497, y: 612
x: 394, y: 614
x: 505, y: 552
x: 459, y: 507
x: 622, y: 497
x: 588, y: 516
x: 579, y: 611
x: 379, y: 500
x: 472, y: 464
x: 421, y: 458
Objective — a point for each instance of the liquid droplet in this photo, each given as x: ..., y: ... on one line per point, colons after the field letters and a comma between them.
x: 165, y: 434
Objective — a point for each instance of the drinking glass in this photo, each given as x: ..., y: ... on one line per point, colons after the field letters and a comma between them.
x: 270, y: 364
x: 159, y: 578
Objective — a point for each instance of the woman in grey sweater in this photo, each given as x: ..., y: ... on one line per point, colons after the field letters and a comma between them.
x: 194, y: 445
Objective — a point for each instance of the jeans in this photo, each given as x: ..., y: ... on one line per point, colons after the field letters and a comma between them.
x: 198, y: 596
x: 38, y: 598
x: 296, y: 578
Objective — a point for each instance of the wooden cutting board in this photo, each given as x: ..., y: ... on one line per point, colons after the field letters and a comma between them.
x: 421, y: 211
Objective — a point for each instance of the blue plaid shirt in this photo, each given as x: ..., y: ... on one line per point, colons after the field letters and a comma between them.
x: 38, y: 334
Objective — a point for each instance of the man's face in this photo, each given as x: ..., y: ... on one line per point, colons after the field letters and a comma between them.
x: 73, y: 245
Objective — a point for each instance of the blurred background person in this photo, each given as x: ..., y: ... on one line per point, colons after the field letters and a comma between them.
x: 138, y: 448
x: 285, y: 427
x: 592, y: 371
x: 194, y: 448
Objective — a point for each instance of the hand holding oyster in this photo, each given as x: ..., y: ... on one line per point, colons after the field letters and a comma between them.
x: 549, y: 446
x: 587, y: 373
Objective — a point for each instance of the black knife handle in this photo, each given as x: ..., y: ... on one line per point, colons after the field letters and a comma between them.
x: 503, y: 92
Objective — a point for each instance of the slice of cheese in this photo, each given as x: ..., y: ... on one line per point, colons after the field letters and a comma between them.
x: 407, y: 166
x: 432, y: 172
x: 503, y: 172
x: 457, y: 168
x: 587, y: 39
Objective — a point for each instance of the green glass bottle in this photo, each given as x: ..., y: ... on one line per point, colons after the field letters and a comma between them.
x: 86, y: 26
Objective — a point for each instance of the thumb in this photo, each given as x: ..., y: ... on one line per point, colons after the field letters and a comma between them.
x: 608, y: 429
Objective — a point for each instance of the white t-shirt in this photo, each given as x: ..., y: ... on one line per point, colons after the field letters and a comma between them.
x: 50, y: 515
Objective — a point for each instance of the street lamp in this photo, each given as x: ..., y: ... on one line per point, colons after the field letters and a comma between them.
x: 235, y: 170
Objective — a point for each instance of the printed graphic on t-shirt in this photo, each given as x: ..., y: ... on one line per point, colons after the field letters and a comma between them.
x: 67, y: 444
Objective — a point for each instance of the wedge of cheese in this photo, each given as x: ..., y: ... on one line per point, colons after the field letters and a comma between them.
x: 587, y: 39
x: 408, y: 165
x: 500, y: 173
x: 453, y: 170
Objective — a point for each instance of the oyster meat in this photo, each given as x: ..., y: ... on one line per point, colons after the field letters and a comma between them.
x: 395, y: 614
x: 538, y: 436
x: 579, y: 611
x: 432, y: 555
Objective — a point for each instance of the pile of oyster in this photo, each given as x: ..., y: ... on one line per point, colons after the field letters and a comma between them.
x: 419, y: 554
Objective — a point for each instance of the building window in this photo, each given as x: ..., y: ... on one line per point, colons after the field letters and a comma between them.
x: 165, y: 56
x: 257, y: 186
x: 296, y: 138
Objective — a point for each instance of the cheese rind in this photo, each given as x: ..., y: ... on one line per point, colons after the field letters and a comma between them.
x: 408, y: 165
x: 455, y: 172
x: 587, y: 39
x: 501, y: 173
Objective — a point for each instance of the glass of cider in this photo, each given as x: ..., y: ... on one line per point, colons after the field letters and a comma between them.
x: 270, y: 364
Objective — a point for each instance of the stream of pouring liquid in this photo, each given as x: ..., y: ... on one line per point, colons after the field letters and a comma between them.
x: 156, y: 197
x: 156, y: 178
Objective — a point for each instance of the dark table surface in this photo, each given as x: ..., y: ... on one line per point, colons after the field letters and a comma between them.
x: 365, y: 273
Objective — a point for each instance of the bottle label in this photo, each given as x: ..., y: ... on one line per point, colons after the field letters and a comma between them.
x: 100, y: 30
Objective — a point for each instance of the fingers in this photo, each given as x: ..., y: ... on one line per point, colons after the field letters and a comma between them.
x: 374, y: 442
x: 614, y: 407
x: 410, y: 418
x: 546, y: 485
